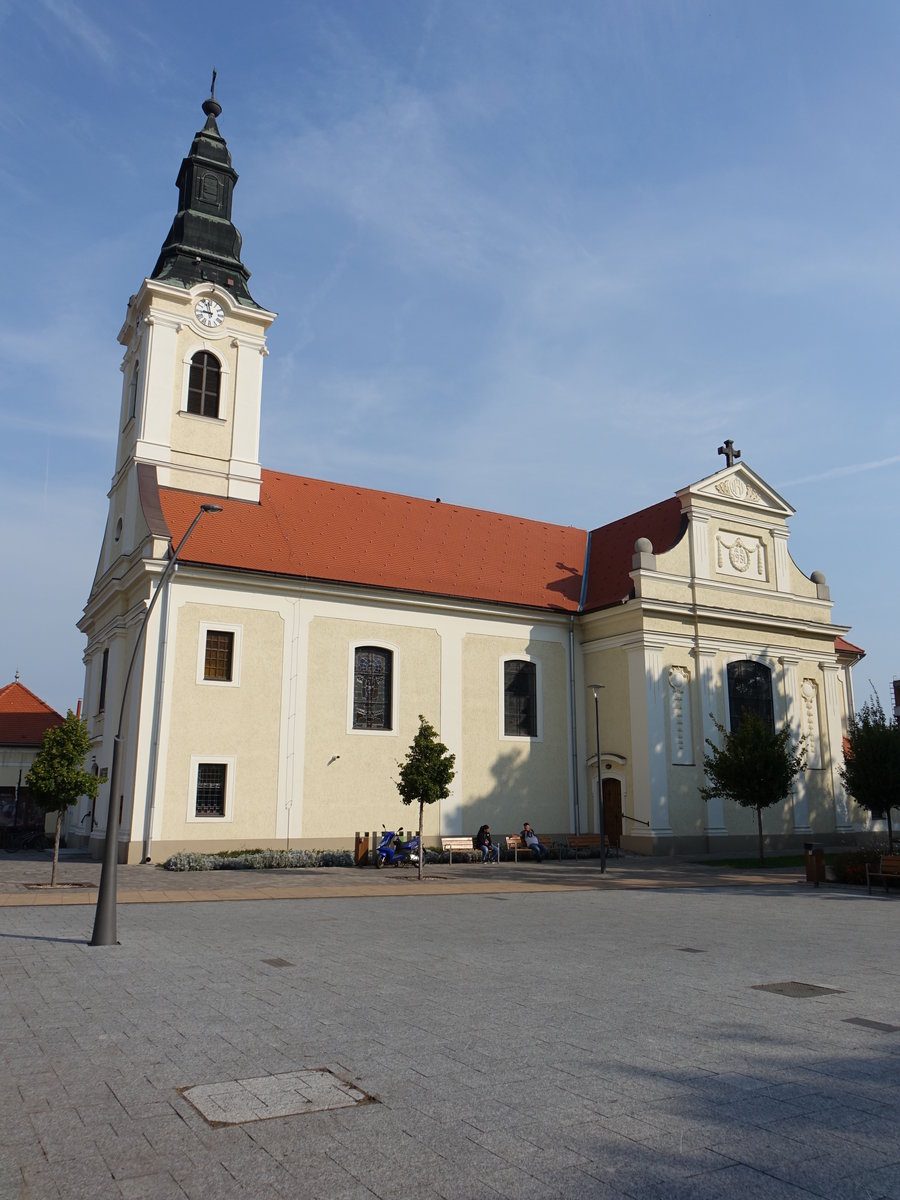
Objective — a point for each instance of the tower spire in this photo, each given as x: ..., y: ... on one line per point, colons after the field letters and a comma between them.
x: 203, y: 243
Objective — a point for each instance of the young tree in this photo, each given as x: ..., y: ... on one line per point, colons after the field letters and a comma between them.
x: 755, y: 766
x: 57, y: 777
x: 871, y: 770
x: 425, y: 774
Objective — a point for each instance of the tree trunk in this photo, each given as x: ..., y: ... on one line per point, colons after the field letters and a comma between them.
x: 421, y: 846
x: 59, y: 817
x: 759, y: 827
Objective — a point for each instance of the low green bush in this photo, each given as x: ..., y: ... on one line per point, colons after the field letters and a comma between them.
x: 258, y: 860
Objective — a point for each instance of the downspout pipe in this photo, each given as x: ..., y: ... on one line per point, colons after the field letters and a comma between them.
x: 573, y: 691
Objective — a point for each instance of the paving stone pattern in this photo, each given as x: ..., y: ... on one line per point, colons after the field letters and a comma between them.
x: 546, y: 1044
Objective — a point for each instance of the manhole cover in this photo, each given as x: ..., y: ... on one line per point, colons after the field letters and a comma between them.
x: 866, y: 1024
x: 277, y: 962
x: 288, y: 1095
x: 797, y: 991
x: 689, y: 950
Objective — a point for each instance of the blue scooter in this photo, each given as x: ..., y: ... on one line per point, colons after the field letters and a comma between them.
x: 393, y: 850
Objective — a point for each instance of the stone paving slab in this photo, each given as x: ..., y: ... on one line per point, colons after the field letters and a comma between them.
x: 24, y: 880
x: 554, y: 1042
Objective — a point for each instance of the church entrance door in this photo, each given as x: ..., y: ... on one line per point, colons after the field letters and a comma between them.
x: 612, y: 811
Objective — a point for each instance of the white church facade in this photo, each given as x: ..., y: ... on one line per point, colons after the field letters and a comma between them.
x: 307, y: 624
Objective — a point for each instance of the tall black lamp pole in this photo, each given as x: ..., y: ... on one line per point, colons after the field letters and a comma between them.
x: 595, y: 688
x: 105, y: 918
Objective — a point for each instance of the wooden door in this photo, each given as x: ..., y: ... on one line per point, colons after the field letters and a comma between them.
x: 612, y: 811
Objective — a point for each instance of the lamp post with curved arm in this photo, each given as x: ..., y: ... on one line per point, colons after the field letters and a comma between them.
x: 105, y: 918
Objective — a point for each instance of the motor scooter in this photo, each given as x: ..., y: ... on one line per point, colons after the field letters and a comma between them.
x: 394, y: 851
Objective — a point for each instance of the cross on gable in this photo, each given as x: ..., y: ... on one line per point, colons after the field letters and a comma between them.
x: 729, y: 451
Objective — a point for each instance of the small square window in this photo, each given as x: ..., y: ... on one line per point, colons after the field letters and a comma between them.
x: 218, y: 662
x: 211, y: 783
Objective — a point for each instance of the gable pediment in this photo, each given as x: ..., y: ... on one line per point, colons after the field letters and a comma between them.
x: 736, y: 488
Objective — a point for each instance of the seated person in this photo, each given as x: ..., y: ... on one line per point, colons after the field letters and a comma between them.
x: 530, y: 839
x: 484, y: 843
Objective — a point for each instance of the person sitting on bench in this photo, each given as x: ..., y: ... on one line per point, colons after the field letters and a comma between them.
x: 530, y: 839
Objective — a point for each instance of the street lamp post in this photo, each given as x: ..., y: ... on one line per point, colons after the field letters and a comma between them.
x: 105, y: 918
x: 595, y: 688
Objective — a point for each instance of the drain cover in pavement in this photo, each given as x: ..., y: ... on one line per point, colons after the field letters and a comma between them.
x: 277, y: 962
x: 289, y: 1095
x: 881, y: 1026
x: 689, y: 950
x: 797, y: 991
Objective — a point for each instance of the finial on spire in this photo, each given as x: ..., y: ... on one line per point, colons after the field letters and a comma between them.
x: 17, y: 674
x: 729, y: 451
x: 212, y: 107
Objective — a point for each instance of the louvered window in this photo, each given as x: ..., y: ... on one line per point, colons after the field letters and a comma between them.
x: 204, y: 384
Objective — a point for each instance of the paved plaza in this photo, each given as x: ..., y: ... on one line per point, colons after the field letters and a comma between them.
x: 491, y: 1032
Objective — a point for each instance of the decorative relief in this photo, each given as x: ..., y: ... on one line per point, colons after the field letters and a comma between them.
x: 740, y: 555
x: 809, y: 697
x: 680, y: 715
x: 737, y: 488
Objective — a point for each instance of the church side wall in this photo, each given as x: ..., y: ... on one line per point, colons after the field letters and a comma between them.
x: 510, y: 780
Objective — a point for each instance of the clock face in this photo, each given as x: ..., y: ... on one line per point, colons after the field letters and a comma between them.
x: 209, y: 313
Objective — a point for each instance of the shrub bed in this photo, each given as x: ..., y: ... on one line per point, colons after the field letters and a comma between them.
x: 258, y: 860
x: 851, y: 867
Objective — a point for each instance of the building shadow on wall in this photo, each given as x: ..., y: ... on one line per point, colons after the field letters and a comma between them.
x: 513, y: 799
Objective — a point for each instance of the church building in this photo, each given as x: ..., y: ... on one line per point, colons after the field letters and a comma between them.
x: 306, y: 624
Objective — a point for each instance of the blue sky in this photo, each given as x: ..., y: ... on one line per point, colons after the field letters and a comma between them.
x: 534, y: 257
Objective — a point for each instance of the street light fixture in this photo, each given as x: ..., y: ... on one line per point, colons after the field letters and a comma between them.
x: 595, y: 688
x: 105, y: 919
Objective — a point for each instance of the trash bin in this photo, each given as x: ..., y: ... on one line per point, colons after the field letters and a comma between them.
x: 361, y: 849
x: 815, y: 863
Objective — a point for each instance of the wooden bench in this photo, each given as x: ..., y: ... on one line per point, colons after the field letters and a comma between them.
x: 585, y: 841
x: 514, y: 844
x: 457, y: 843
x: 888, y: 868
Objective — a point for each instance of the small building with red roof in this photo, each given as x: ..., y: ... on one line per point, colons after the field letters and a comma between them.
x: 304, y: 625
x: 24, y: 719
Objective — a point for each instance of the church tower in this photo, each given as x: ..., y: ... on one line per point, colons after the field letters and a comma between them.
x: 194, y: 342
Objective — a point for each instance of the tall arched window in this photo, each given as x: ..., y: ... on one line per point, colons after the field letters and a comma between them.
x: 520, y: 710
x: 133, y: 390
x: 750, y: 692
x: 373, y: 670
x: 204, y: 384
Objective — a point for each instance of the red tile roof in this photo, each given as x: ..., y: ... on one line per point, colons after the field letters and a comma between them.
x: 330, y: 531
x: 24, y: 716
x: 842, y: 646
x: 612, y: 548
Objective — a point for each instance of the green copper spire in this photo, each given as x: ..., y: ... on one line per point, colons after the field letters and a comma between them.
x: 203, y: 244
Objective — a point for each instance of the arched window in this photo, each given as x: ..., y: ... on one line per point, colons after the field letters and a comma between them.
x: 373, y: 669
x: 133, y: 390
x: 750, y: 692
x: 520, y: 710
x: 204, y: 384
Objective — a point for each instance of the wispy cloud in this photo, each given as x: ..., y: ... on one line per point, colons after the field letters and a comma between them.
x: 81, y: 29
x: 851, y: 469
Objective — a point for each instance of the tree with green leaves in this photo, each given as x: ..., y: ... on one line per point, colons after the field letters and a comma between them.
x: 871, y: 770
x: 425, y: 774
x: 755, y: 766
x: 57, y: 777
